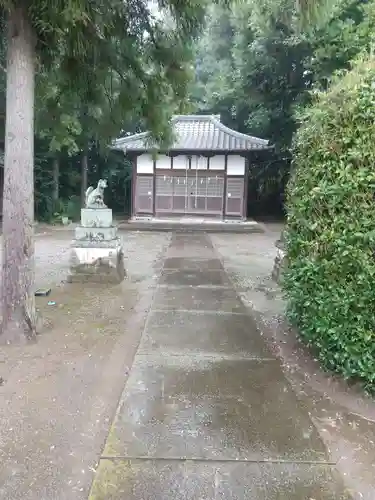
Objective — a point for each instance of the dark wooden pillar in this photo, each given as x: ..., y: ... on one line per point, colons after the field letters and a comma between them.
x: 225, y: 185
x: 154, y: 187
x: 133, y: 159
x: 246, y: 187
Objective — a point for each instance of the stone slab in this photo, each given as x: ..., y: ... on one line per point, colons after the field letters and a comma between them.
x: 192, y: 251
x: 190, y: 239
x: 96, y: 217
x: 97, y: 264
x: 102, y: 278
x: 212, y: 409
x: 195, y: 278
x: 219, y: 299
x: 194, y: 264
x: 176, y: 333
x: 94, y: 234
x: 186, y: 480
x: 221, y: 227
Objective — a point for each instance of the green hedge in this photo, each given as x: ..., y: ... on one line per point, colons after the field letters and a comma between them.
x: 330, y: 281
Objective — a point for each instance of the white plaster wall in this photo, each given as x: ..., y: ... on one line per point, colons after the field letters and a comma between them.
x: 217, y: 162
x: 163, y: 161
x: 236, y: 165
x: 180, y: 162
x: 199, y: 162
x: 145, y: 164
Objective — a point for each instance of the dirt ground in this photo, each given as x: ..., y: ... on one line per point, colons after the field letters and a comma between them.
x: 59, y: 396
x: 343, y: 415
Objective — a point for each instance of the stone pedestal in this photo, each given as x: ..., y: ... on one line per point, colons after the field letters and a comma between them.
x: 97, y: 255
x: 280, y: 262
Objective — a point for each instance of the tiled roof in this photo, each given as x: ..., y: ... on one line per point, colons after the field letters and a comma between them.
x: 196, y: 132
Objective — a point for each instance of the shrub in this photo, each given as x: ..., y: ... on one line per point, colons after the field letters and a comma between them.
x: 330, y: 238
x: 73, y: 208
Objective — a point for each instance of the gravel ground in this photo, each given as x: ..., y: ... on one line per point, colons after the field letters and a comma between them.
x: 59, y: 395
x: 344, y: 416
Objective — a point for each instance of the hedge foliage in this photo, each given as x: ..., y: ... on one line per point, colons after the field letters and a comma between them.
x: 330, y: 242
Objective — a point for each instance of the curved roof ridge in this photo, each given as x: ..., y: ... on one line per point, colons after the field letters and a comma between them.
x: 195, y: 117
x: 197, y: 132
x: 235, y: 133
x: 139, y: 135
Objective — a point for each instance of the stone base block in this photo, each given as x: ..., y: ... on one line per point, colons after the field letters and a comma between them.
x: 279, y: 266
x: 96, y: 217
x: 97, y: 264
x: 95, y: 234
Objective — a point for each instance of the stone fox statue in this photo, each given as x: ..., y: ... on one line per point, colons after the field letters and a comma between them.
x: 95, y: 197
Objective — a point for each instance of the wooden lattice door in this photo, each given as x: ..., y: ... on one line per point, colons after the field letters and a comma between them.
x: 144, y: 194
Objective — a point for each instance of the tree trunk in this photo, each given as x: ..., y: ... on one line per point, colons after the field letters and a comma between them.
x: 84, y: 173
x: 56, y: 174
x: 18, y: 319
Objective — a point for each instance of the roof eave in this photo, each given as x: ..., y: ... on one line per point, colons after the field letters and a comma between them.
x: 186, y: 150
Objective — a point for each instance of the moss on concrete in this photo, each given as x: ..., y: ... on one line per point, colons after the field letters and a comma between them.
x: 113, y: 442
x: 111, y: 481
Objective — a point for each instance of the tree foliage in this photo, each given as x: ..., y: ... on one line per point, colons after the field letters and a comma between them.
x: 256, y: 64
x: 103, y: 64
x: 314, y: 12
x: 283, y: 60
x: 330, y: 229
x: 343, y: 37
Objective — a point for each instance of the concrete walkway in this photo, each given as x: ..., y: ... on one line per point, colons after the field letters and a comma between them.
x: 206, y: 413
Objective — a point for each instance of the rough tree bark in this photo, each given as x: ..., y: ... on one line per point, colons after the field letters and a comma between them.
x: 18, y: 319
x: 56, y: 186
x: 84, y: 174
